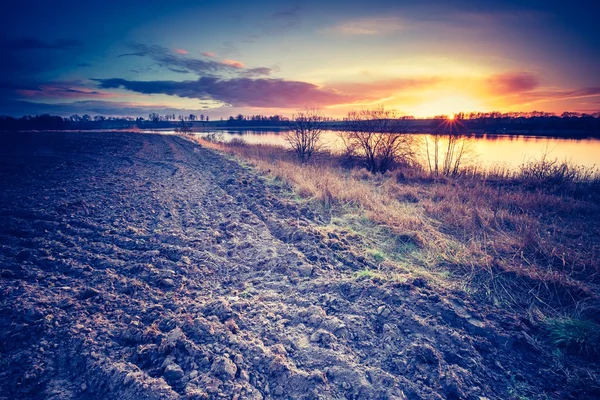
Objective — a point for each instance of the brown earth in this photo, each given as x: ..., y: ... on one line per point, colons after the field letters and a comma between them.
x: 147, y: 267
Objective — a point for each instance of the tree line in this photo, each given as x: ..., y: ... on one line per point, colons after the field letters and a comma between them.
x: 488, y: 122
x: 76, y: 121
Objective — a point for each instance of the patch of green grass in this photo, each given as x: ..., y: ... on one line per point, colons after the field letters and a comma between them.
x: 248, y: 291
x: 366, y: 221
x: 377, y: 256
x: 366, y: 274
x: 521, y: 390
x: 576, y: 335
x: 406, y: 248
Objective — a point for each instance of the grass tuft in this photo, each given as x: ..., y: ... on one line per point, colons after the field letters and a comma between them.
x: 576, y: 335
x: 366, y: 274
x: 377, y: 256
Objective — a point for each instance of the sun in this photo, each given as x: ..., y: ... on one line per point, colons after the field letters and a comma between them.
x: 451, y: 117
x: 445, y: 104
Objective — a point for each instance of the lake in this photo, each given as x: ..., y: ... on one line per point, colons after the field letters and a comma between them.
x: 487, y: 150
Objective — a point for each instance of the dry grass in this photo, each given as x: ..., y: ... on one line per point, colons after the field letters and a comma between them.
x: 531, y: 244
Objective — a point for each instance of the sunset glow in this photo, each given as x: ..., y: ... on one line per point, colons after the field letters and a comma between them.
x: 424, y: 60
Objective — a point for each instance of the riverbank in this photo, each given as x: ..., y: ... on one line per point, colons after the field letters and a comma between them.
x: 478, y: 222
x: 146, y: 266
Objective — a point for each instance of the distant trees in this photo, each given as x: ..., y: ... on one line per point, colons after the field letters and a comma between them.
x: 37, y: 122
x: 569, y: 124
x: 257, y: 120
x: 305, y: 133
x: 379, y: 137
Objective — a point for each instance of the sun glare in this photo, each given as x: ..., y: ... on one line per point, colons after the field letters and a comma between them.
x: 446, y: 105
x: 451, y: 117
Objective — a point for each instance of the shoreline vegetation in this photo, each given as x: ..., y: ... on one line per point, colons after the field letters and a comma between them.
x: 567, y: 125
x: 525, y: 240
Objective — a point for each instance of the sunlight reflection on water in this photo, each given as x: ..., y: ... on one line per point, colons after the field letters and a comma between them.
x: 487, y: 150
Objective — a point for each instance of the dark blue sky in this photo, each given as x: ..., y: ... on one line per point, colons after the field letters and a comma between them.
x: 223, y: 57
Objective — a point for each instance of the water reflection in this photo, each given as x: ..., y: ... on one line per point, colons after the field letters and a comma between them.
x: 483, y: 149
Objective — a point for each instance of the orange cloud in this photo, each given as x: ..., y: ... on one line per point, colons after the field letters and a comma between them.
x: 182, y: 52
x: 510, y: 83
x: 386, y: 87
x: 234, y: 64
x: 208, y: 54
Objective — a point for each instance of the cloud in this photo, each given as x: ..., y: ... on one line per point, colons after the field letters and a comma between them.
x: 31, y: 43
x: 260, y: 71
x: 58, y: 91
x: 181, y: 64
x: 511, y: 83
x: 369, y: 26
x: 209, y: 54
x: 385, y: 87
x: 249, y: 91
x: 181, y: 51
x: 241, y: 92
x: 587, y: 92
x: 166, y: 59
x: 18, y: 108
x: 525, y: 88
x: 234, y: 64
x: 542, y: 96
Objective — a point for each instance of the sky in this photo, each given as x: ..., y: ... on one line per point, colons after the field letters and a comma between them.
x: 221, y: 58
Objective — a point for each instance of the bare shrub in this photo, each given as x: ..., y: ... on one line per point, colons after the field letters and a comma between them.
x: 379, y: 137
x: 553, y: 171
x: 445, y: 153
x: 237, y: 142
x: 214, y: 137
x: 304, y: 137
x: 185, y: 129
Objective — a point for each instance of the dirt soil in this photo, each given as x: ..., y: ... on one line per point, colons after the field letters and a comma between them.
x: 138, y: 266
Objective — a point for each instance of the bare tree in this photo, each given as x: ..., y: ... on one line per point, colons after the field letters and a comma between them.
x: 305, y: 133
x: 379, y: 136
